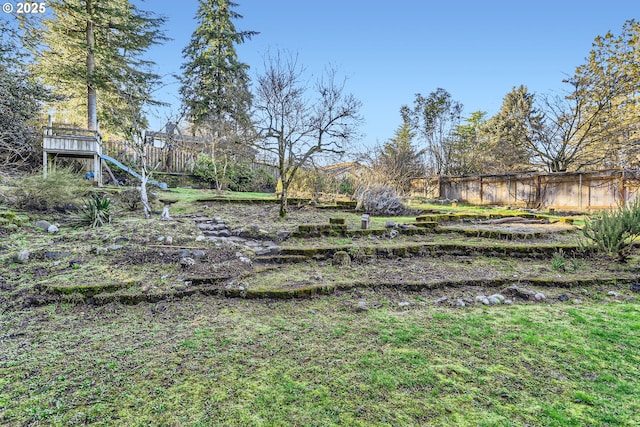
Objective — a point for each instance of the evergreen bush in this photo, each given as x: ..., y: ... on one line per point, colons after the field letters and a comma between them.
x: 613, y: 232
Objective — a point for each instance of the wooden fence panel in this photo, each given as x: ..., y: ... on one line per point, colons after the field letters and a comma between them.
x: 563, y: 191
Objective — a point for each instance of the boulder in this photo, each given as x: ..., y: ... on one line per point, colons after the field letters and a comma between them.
x: 42, y: 224
x: 21, y: 257
x: 540, y: 296
x: 341, y: 258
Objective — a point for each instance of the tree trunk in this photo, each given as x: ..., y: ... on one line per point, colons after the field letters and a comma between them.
x: 144, y: 197
x: 283, y: 201
x: 92, y: 105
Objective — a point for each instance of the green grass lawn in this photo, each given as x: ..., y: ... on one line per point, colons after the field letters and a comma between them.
x: 208, y: 361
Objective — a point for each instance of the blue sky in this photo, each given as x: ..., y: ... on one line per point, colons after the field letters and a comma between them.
x: 391, y: 50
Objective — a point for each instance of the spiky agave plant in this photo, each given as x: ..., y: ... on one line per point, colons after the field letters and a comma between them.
x: 96, y: 212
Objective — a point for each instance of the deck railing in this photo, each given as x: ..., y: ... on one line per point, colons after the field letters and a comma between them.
x: 71, y: 141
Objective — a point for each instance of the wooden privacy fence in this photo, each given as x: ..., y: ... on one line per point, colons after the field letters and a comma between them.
x: 163, y: 159
x: 563, y: 191
x: 175, y: 159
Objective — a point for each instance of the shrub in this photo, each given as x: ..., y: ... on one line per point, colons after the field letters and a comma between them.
x: 234, y: 177
x: 316, y: 183
x: 613, y: 232
x: 95, y: 213
x: 209, y: 171
x: 132, y: 199
x: 62, y: 190
x: 379, y: 200
x: 240, y: 177
x: 263, y: 181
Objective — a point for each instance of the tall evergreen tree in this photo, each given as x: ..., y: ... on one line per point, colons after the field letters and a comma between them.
x: 513, y: 132
x: 215, y: 84
x: 471, y: 153
x: 435, y: 118
x: 92, y: 50
x: 398, y: 161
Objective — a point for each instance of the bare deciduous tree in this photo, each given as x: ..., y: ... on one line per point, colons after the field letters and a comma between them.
x: 294, y: 126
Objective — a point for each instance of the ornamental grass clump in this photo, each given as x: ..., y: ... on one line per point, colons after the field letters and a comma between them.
x: 613, y: 232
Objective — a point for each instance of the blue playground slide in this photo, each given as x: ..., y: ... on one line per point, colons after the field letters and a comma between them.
x: 162, y: 185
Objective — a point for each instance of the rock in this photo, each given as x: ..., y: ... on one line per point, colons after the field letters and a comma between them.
x: 42, y: 224
x: 390, y: 224
x: 577, y: 301
x: 460, y: 303
x: 441, y: 300
x: 493, y: 300
x: 198, y: 254
x: 539, y: 296
x: 187, y: 262
x: 393, y: 234
x: 341, y: 258
x: 160, y: 239
x: 114, y: 247
x: 483, y: 299
x: 518, y: 292
x: 200, y: 238
x: 183, y: 253
x: 245, y: 260
x: 563, y: 297
x: 361, y: 307
x: 168, y: 240
x: 499, y: 297
x: 224, y: 233
x: 282, y: 235
x: 56, y: 254
x: 21, y: 257
x: 613, y: 294
x: 404, y: 304
x: 635, y: 287
x: 508, y: 301
x: 52, y: 229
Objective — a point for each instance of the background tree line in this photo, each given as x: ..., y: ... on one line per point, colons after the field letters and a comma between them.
x: 86, y: 60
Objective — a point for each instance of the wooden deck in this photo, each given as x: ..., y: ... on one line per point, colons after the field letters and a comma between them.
x: 73, y: 143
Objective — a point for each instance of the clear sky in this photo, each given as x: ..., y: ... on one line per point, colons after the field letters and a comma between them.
x: 477, y: 50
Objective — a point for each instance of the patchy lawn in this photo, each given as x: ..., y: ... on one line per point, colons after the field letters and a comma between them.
x: 386, y: 346
x: 215, y: 361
